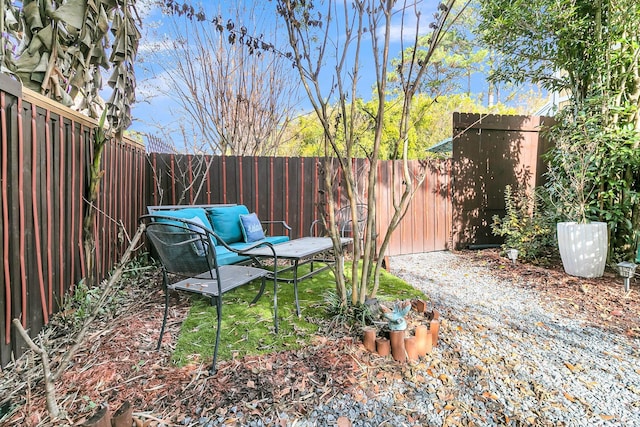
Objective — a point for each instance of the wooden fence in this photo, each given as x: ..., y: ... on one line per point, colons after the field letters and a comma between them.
x: 46, y: 153
x: 292, y: 189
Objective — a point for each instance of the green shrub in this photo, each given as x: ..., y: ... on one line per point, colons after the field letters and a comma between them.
x: 527, y: 225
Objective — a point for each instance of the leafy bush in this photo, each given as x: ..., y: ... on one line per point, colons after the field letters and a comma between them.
x: 527, y: 225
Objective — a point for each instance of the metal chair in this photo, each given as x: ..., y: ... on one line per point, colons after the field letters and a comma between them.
x: 184, y: 249
x: 344, y: 221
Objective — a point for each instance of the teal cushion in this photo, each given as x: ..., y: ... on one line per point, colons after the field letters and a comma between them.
x: 188, y: 214
x: 239, y: 246
x: 274, y: 240
x: 226, y: 222
x: 226, y: 257
x: 251, y: 228
x: 230, y: 258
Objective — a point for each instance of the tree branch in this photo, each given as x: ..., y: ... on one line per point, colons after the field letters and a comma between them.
x: 50, y: 391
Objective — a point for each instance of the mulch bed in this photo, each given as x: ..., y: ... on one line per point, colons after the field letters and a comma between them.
x: 118, y: 362
x: 600, y: 301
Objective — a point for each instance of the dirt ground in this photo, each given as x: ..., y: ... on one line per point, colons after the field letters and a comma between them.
x: 118, y: 362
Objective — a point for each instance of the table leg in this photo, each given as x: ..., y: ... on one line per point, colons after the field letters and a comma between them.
x: 295, y: 285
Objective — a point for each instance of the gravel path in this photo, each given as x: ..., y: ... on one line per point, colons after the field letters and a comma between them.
x: 503, y: 360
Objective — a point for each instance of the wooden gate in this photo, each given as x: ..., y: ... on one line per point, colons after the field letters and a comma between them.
x: 490, y: 152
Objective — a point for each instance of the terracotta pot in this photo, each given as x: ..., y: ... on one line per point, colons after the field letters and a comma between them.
x: 419, y: 305
x: 397, y: 345
x: 434, y: 327
x: 429, y: 345
x: 411, y: 348
x: 369, y: 339
x: 383, y: 346
x: 423, y: 340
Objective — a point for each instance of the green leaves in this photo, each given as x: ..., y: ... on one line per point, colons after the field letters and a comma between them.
x: 589, y: 50
x: 527, y: 225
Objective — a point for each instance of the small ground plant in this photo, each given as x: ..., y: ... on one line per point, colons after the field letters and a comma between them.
x: 527, y: 225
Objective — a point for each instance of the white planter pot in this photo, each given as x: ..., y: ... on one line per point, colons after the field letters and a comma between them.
x: 583, y: 248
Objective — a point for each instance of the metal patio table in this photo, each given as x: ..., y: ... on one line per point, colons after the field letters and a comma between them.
x: 302, y: 251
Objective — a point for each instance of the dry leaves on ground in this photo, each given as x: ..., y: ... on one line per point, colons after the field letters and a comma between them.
x: 599, y: 301
x: 119, y: 363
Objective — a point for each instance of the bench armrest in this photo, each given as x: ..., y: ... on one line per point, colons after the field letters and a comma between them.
x: 285, y: 226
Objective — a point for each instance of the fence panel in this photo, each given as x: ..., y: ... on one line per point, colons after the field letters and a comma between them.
x: 490, y: 152
x: 426, y: 226
x: 293, y: 189
x: 45, y: 158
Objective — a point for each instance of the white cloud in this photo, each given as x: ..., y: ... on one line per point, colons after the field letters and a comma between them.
x: 404, y: 22
x: 154, y: 87
x: 146, y: 8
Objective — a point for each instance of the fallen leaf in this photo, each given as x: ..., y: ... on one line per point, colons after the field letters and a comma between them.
x: 344, y: 422
x: 542, y: 325
x: 569, y: 397
x: 489, y: 395
x: 570, y: 367
x: 606, y: 417
x: 589, y: 384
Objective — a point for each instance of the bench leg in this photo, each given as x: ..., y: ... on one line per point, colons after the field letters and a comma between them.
x: 275, y: 302
x: 165, y: 281
x: 218, y: 303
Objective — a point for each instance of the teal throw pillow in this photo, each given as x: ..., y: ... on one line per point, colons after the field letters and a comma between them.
x: 251, y: 228
x: 226, y: 222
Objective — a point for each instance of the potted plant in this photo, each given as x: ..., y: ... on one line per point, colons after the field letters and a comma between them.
x: 572, y: 184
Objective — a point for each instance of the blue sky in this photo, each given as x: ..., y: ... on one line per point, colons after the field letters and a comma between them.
x: 157, y: 108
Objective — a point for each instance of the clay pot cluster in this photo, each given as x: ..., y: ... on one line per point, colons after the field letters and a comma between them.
x: 406, y: 345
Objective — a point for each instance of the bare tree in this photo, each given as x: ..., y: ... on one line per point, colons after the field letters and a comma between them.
x: 236, y: 95
x: 188, y: 173
x: 362, y: 28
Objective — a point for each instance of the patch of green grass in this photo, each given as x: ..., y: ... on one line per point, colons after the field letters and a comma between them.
x: 249, y: 330
x: 393, y: 288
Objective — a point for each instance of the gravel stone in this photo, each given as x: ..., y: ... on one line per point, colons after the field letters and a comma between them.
x: 503, y: 359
